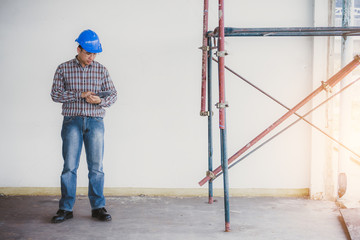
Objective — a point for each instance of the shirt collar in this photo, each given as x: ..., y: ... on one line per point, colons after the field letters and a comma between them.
x: 77, y: 61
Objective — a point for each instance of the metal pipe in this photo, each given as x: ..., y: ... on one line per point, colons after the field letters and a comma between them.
x: 301, y: 117
x: 222, y: 120
x: 330, y: 83
x: 221, y: 59
x: 204, y: 58
x: 345, y: 101
x: 224, y: 166
x: 296, y: 31
x: 210, y: 138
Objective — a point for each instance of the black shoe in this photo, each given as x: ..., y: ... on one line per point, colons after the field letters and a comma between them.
x: 101, y: 214
x: 61, y: 215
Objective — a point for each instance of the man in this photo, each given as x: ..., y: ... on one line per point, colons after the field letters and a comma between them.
x: 84, y: 88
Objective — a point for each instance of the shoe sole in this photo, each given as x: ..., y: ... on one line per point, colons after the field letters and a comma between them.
x: 60, y: 221
x: 103, y: 220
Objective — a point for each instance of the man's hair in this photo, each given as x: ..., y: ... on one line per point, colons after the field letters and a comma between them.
x: 80, y: 47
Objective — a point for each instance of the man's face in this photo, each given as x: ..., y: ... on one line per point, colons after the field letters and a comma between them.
x: 85, y: 58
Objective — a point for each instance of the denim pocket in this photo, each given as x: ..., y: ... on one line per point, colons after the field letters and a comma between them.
x: 98, y: 119
x: 68, y: 119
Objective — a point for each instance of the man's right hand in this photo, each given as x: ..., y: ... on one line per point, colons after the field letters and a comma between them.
x: 86, y: 94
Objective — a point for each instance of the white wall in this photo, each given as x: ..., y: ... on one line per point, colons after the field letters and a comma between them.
x: 154, y: 135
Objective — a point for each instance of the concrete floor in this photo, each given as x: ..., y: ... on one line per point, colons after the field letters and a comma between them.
x: 28, y: 217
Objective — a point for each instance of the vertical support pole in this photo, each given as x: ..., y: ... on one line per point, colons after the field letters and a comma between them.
x: 345, y: 101
x: 222, y: 119
x: 210, y: 141
x: 224, y: 165
x: 204, y: 58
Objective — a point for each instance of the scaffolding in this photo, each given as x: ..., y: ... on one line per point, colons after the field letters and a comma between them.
x: 206, y: 84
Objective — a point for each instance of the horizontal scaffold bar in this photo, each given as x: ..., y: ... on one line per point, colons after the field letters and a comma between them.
x: 283, y: 32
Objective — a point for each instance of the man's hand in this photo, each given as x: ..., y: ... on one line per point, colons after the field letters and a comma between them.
x: 90, y: 97
x: 86, y: 94
x: 93, y: 99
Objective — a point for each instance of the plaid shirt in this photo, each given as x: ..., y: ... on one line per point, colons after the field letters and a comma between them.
x: 71, y: 79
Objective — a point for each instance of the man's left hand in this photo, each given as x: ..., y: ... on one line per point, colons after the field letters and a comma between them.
x: 93, y: 99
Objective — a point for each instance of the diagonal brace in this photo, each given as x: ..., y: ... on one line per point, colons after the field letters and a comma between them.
x: 331, y: 82
x: 325, y: 86
x: 290, y: 125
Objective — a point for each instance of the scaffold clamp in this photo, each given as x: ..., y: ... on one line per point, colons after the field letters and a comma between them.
x: 204, y: 48
x: 222, y: 105
x: 357, y: 58
x: 326, y: 87
x: 222, y: 53
x: 210, y: 174
x: 206, y: 113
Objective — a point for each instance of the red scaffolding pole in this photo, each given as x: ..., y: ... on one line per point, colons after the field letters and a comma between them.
x: 330, y: 83
x: 204, y: 58
x: 222, y: 104
x: 221, y: 61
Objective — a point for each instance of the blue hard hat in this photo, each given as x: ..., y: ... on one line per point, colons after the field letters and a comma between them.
x: 89, y: 41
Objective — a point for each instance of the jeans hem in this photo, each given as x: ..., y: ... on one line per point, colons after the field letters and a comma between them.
x: 97, y: 207
x: 66, y: 209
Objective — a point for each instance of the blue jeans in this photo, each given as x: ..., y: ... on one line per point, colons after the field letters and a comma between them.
x: 75, y: 131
